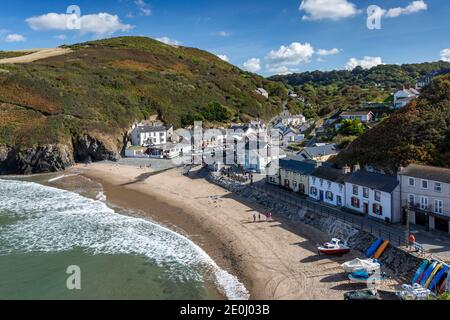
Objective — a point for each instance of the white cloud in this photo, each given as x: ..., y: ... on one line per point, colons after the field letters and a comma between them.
x: 328, y: 9
x: 223, y: 57
x: 99, y: 24
x: 366, y: 63
x: 224, y: 34
x: 413, y: 7
x: 445, y: 55
x: 324, y: 52
x: 168, y: 41
x: 281, y: 60
x: 252, y: 65
x: 15, y: 38
x: 282, y: 70
x: 61, y: 37
x: 143, y: 7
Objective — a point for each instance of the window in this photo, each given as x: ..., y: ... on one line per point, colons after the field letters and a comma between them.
x: 355, y: 190
x: 355, y: 202
x: 412, y: 200
x: 321, y: 182
x: 329, y: 184
x: 411, y: 182
x: 314, y: 191
x: 339, y: 200
x: 314, y: 180
x: 424, y: 184
x: 294, y: 184
x: 272, y: 180
x: 366, y: 193
x: 377, y: 196
x: 377, y: 209
x: 423, y: 203
x: 438, y: 206
x: 329, y: 196
x: 341, y: 188
x: 438, y: 187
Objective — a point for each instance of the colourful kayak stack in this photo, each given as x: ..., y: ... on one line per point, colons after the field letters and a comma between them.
x: 432, y: 275
x: 377, y: 249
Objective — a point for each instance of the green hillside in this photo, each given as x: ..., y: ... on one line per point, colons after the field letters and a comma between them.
x: 338, y: 90
x: 418, y: 133
x: 101, y: 87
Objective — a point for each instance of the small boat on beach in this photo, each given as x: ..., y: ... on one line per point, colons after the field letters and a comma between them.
x: 369, y: 278
x: 335, y: 247
x: 367, y: 265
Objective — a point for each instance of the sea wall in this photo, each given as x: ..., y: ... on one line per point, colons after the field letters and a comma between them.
x: 402, y: 264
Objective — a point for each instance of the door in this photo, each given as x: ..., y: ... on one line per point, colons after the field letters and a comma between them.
x: 441, y: 225
x: 301, y: 188
x: 287, y: 184
x: 366, y: 208
x: 421, y: 219
x: 321, y: 195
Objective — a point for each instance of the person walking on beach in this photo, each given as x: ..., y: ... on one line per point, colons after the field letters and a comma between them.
x: 254, y: 217
x: 259, y: 216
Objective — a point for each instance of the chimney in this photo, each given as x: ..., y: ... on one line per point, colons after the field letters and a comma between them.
x: 356, y: 167
x: 318, y: 164
x: 346, y: 169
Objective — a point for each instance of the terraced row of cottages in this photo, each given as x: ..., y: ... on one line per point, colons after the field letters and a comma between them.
x: 422, y: 192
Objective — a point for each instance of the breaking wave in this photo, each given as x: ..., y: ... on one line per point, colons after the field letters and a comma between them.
x: 52, y: 220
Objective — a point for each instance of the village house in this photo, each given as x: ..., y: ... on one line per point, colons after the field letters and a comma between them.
x: 363, y: 116
x: 328, y: 185
x: 145, y: 136
x: 263, y: 92
x: 425, y: 190
x: 258, y: 156
x: 289, y: 135
x: 373, y: 194
x: 292, y: 120
x: 293, y: 175
x: 319, y: 153
x: 403, y: 97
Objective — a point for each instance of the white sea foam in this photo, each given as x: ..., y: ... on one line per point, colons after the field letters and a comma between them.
x: 101, y: 196
x: 62, y: 177
x: 57, y: 220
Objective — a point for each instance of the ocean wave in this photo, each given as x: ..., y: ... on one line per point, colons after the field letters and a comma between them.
x: 62, y: 177
x: 52, y: 220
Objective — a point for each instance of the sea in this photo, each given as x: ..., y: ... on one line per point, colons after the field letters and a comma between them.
x: 61, y: 239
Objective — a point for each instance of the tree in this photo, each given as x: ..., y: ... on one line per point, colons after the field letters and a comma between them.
x: 351, y: 127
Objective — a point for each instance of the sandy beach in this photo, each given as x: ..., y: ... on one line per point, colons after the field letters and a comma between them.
x: 275, y: 260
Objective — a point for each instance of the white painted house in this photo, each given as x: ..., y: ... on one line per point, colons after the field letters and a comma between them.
x: 328, y: 185
x: 149, y: 135
x: 263, y: 92
x: 403, y: 97
x: 373, y: 194
x: 363, y: 116
x: 292, y: 120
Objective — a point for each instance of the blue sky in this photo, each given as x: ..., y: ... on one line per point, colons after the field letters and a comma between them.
x: 263, y: 36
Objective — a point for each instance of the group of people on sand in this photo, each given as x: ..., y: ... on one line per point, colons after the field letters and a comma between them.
x: 258, y: 216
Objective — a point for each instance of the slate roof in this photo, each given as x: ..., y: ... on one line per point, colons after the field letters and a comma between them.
x: 152, y: 129
x: 303, y: 167
x: 355, y: 113
x: 427, y: 173
x: 330, y: 174
x: 373, y: 180
x: 321, y: 151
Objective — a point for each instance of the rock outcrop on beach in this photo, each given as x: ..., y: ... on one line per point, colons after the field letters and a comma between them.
x: 88, y: 97
x: 46, y: 158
